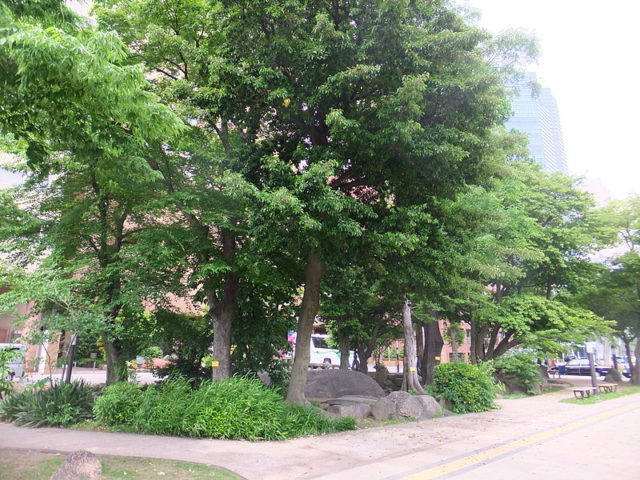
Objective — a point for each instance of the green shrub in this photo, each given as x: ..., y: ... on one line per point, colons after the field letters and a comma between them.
x: 523, y: 367
x: 7, y: 356
x: 235, y: 408
x: 60, y: 404
x: 151, y: 352
x: 466, y: 388
x: 118, y: 404
x: 163, y: 408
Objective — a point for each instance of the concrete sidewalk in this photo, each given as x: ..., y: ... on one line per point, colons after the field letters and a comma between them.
x: 366, y: 454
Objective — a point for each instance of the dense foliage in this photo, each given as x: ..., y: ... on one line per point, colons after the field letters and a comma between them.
x: 235, y: 408
x: 350, y: 160
x: 523, y: 367
x: 466, y: 388
x: 118, y: 404
x: 7, y: 356
x: 55, y: 405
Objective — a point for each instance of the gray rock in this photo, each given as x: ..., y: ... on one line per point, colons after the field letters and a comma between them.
x: 403, y: 406
x: 79, y: 465
x: 355, y: 410
x: 356, y: 406
x: 613, y: 376
x: 326, y: 384
x: 349, y: 399
x: 265, y: 378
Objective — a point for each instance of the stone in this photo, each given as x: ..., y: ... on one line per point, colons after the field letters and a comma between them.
x: 353, y: 399
x: 79, y: 465
x: 355, y: 410
x: 613, y: 376
x: 403, y: 406
x: 356, y: 406
x: 326, y: 384
x: 265, y: 378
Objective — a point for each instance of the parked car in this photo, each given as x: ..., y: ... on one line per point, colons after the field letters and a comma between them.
x: 627, y: 372
x: 580, y: 366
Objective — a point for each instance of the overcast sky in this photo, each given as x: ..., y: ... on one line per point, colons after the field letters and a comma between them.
x: 590, y: 59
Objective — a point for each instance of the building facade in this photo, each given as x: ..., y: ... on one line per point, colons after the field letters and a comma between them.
x: 535, y: 113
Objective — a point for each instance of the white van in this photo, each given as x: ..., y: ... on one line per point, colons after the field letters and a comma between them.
x: 321, y: 353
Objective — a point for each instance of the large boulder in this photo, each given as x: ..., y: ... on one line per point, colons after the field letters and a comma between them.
x: 80, y: 465
x: 403, y: 406
x: 356, y: 406
x: 323, y: 385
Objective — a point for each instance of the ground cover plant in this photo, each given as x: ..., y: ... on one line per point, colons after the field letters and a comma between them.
x: 32, y: 465
x: 235, y: 408
x: 54, y: 405
x: 466, y: 388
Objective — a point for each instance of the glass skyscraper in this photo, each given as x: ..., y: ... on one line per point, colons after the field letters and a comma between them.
x: 535, y: 113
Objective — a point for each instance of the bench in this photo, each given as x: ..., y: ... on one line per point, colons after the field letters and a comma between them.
x: 608, y: 387
x: 554, y: 373
x: 588, y: 391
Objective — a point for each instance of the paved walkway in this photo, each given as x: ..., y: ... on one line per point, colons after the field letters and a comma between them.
x: 376, y: 453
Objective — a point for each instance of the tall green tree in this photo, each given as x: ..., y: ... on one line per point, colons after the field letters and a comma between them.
x: 85, y: 121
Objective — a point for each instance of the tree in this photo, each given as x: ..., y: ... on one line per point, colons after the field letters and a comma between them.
x: 522, y: 252
x: 615, y: 292
x: 79, y: 113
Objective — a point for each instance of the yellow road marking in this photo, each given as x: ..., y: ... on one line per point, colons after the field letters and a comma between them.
x: 466, y: 462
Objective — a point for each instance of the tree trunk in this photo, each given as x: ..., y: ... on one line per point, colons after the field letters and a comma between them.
x: 222, y: 321
x: 592, y: 370
x: 363, y: 355
x: 453, y: 335
x: 308, y: 310
x: 222, y: 313
x: 420, y: 346
x: 116, y: 366
x: 432, y: 348
x: 410, y: 380
x: 627, y: 349
x: 635, y: 371
x: 343, y: 346
x: 473, y: 358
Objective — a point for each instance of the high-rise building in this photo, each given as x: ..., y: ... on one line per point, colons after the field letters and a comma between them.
x: 535, y: 113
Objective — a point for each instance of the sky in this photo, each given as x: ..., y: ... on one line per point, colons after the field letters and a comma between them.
x: 590, y: 59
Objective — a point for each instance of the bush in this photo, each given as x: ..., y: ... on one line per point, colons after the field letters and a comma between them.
x: 118, y: 404
x: 235, y: 408
x: 523, y: 367
x: 60, y: 404
x: 466, y: 388
x: 151, y: 353
x: 6, y: 357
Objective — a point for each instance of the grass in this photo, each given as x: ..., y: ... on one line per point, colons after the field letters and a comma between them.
x: 516, y: 396
x: 35, y: 465
x: 601, y: 397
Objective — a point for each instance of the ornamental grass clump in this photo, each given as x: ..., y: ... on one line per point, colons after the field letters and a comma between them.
x: 234, y: 408
x: 118, y: 404
x: 58, y: 404
x: 466, y: 388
